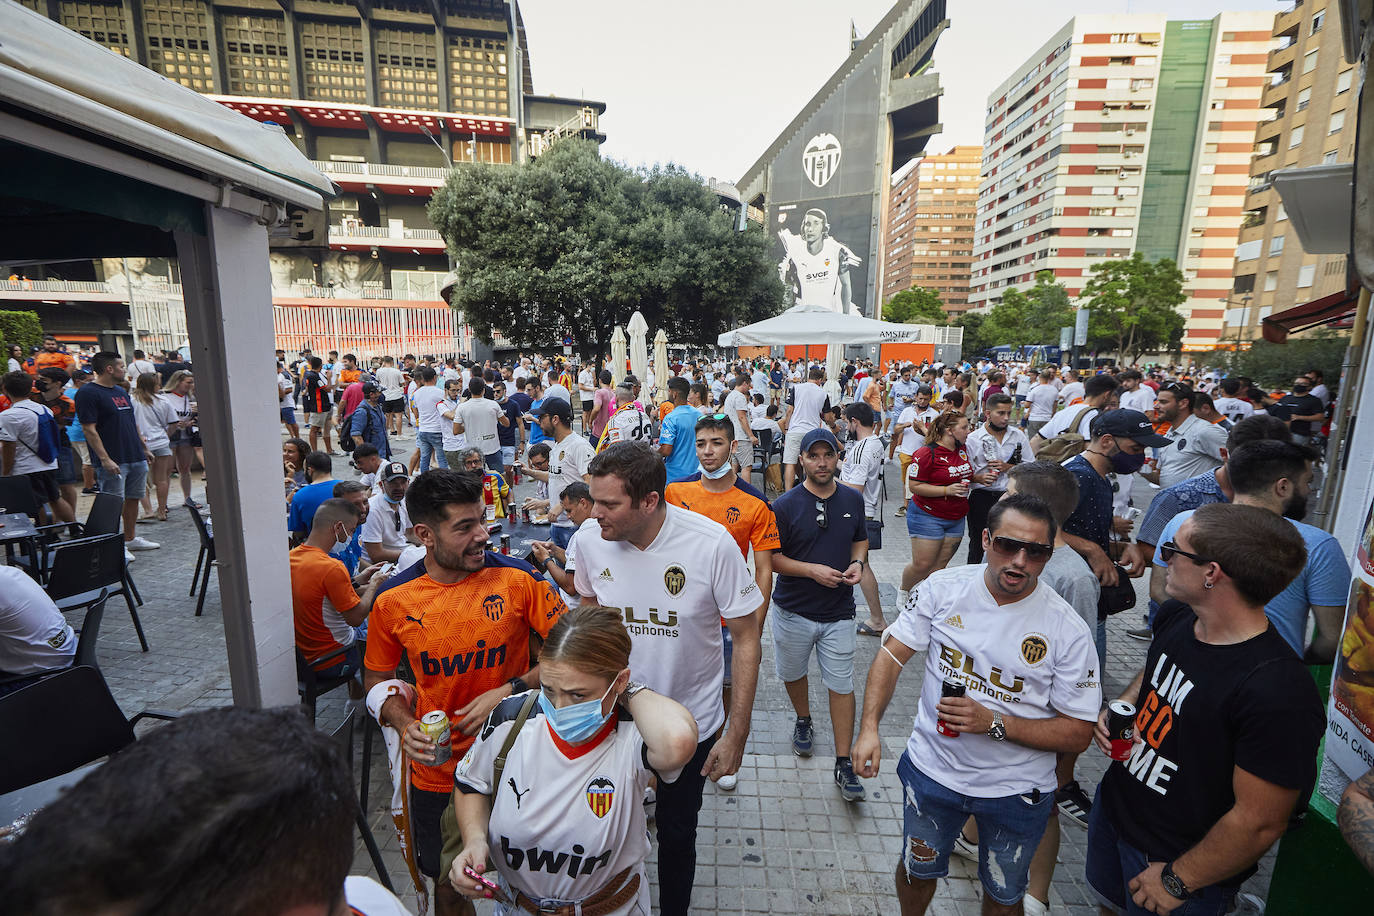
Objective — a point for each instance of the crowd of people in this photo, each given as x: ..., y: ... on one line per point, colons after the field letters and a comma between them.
x: 634, y: 631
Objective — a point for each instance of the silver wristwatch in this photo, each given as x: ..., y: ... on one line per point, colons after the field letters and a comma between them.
x: 998, y: 731
x: 631, y: 688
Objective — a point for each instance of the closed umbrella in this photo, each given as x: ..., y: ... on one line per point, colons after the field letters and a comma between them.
x: 834, y: 362
x: 661, y: 370
x: 617, y: 355
x: 639, y: 345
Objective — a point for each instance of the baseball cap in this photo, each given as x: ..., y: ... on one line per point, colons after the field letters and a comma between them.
x: 556, y: 407
x: 819, y: 435
x: 393, y: 470
x: 1131, y: 424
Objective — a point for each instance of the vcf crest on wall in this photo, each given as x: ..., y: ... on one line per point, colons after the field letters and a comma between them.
x: 821, y: 159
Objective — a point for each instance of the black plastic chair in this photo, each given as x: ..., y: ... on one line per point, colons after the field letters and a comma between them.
x: 344, y: 735
x: 206, y: 557
x: 78, y: 570
x: 105, y: 517
x: 16, y: 495
x: 87, y: 635
x: 309, y: 683
x: 28, y: 713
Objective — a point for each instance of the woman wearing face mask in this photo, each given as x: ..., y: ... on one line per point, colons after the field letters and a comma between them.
x: 938, y: 481
x: 572, y: 788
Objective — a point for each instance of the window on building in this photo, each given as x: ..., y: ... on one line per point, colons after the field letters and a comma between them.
x: 407, y: 68
x: 1304, y: 97
x: 1246, y: 251
x: 1337, y: 122
x: 177, y: 33
x: 477, y: 70
x: 1295, y: 137
x: 332, y: 61
x: 1275, y: 245
x: 1318, y: 20
x: 1330, y: 156
x: 1309, y: 62
x: 1271, y: 281
x: 1343, y: 81
x: 1199, y: 211
x: 1281, y: 214
x: 100, y: 22
x: 255, y: 55
x: 1306, y: 274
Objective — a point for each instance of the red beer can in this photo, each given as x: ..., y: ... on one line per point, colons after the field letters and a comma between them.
x: 1121, y: 729
x: 948, y: 689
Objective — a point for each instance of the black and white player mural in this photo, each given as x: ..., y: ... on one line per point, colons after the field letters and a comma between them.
x: 823, y: 194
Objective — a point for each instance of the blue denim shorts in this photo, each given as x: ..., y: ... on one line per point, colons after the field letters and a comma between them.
x: 66, y: 465
x: 128, y: 483
x: 1111, y: 863
x: 1009, y: 830
x: 795, y: 635
x: 921, y: 524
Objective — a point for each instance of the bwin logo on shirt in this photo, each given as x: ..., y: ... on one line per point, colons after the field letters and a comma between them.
x: 462, y: 662
x: 553, y: 861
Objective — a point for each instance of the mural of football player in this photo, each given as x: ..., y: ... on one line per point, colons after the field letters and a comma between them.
x: 815, y: 267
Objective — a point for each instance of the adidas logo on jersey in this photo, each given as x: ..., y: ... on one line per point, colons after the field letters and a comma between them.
x: 956, y: 621
x: 605, y: 576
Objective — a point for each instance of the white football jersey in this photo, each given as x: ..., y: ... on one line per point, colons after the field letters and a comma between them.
x: 1031, y: 659
x: 629, y: 425
x: 565, y: 819
x: 818, y: 275
x: 672, y: 596
x: 1234, y: 409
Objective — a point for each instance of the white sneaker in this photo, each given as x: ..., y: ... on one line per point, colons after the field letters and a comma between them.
x: 967, y: 850
x: 728, y: 783
x: 1033, y: 907
x: 128, y: 557
x: 141, y: 543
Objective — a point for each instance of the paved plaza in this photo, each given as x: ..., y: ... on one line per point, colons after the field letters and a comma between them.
x: 782, y: 842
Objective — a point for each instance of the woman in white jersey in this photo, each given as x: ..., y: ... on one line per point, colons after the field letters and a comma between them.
x: 564, y: 822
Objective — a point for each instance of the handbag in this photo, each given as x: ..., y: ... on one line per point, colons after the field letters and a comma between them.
x: 1114, y: 599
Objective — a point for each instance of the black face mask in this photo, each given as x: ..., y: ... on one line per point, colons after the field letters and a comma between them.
x: 1301, y: 389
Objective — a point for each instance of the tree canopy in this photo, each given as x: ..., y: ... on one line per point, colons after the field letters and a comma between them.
x: 915, y: 306
x: 573, y: 244
x: 1134, y: 306
x: 1030, y: 317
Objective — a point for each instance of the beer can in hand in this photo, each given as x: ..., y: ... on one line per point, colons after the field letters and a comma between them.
x: 1120, y: 729
x: 948, y: 689
x: 435, y: 726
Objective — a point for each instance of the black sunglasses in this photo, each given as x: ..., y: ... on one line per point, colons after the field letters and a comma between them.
x: 1011, y: 547
x: 822, y: 514
x: 396, y: 517
x: 1168, y: 549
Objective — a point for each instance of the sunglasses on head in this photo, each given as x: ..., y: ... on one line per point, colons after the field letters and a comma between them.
x: 1011, y: 547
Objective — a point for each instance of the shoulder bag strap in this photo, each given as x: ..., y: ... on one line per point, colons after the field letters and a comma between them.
x: 500, y: 766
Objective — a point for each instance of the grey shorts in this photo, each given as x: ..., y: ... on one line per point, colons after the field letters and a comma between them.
x: 319, y: 420
x: 793, y: 638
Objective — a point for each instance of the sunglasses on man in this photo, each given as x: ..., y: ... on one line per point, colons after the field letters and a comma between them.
x: 1010, y: 547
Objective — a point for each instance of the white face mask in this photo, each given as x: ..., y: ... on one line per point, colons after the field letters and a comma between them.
x: 718, y: 473
x: 340, y: 546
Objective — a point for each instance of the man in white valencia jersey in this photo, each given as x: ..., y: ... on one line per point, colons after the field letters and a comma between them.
x: 674, y: 574
x: 1029, y: 669
x: 815, y: 267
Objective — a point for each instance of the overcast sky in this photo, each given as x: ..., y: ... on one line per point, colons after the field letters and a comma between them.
x: 708, y: 84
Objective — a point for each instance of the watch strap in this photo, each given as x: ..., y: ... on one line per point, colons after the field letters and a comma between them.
x: 1173, y: 883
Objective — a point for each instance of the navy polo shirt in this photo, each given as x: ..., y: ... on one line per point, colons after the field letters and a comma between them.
x: 1092, y: 519
x: 803, y: 539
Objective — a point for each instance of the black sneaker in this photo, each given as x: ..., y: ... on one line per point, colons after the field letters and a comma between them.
x: 803, y: 738
x: 850, y: 787
x: 1074, y: 803
x: 1144, y: 634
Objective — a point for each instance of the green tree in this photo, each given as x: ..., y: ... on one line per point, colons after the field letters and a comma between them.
x: 572, y: 244
x: 1047, y: 309
x: 975, y: 341
x: 1276, y: 365
x: 20, y: 327
x: 916, y: 306
x: 1134, y: 306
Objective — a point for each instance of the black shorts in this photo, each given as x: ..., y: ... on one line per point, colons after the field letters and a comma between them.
x: 44, y: 485
x: 587, y: 406
x: 396, y: 406
x: 426, y: 809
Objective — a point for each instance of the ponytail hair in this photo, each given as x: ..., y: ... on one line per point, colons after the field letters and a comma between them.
x: 591, y: 639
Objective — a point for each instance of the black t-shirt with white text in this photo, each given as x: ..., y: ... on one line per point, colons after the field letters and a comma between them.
x: 1204, y: 710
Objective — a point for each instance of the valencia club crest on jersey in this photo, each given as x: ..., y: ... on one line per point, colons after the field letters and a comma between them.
x: 674, y: 579
x: 493, y: 606
x: 600, y: 796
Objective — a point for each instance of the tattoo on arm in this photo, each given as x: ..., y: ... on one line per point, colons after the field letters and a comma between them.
x: 1356, y: 818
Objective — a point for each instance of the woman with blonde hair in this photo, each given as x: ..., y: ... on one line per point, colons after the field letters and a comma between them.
x: 938, y: 481
x: 564, y: 819
x: 156, y: 419
x: 179, y: 393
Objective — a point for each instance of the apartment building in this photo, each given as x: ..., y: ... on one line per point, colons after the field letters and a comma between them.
x: 931, y: 214
x: 1310, y: 101
x: 1123, y: 133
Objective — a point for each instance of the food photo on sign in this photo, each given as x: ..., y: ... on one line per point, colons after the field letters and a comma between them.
x: 1350, y: 727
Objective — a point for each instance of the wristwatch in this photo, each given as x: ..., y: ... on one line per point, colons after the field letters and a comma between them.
x: 1173, y: 883
x: 998, y: 731
x: 631, y: 688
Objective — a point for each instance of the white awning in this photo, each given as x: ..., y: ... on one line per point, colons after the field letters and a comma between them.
x: 51, y: 70
x: 800, y: 325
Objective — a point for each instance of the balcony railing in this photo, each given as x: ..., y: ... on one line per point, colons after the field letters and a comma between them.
x: 83, y: 286
x: 376, y: 170
x: 120, y: 291
x: 402, y: 233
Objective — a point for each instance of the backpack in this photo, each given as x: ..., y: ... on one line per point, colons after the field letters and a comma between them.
x: 46, y: 439
x: 346, y: 440
x: 1067, y: 444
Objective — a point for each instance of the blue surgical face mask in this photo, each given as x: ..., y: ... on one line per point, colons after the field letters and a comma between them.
x: 718, y: 473
x: 578, y: 722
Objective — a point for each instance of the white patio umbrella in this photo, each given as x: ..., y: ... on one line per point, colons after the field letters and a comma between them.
x: 617, y: 355
x: 816, y: 326
x: 639, y: 345
x: 661, y: 370
x: 834, y: 362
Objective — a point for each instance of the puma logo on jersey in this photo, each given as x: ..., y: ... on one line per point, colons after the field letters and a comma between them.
x: 518, y: 794
x: 553, y: 861
x: 605, y: 576
x: 462, y: 662
x: 956, y: 621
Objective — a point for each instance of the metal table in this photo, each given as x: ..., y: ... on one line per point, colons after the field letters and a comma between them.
x: 18, y: 528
